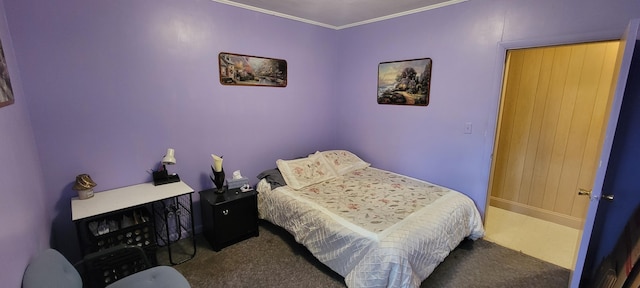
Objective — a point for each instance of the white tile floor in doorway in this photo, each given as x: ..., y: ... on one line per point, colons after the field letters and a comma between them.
x: 544, y: 240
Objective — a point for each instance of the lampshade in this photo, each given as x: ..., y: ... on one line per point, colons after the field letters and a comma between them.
x: 169, y: 158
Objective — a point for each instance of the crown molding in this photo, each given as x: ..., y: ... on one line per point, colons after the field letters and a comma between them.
x: 299, y: 19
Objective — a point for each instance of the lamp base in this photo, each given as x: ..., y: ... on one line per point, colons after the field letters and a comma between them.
x: 221, y: 190
x: 162, y: 177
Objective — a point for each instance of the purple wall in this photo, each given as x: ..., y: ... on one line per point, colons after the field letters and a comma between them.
x: 23, y: 214
x: 110, y: 85
x: 466, y: 42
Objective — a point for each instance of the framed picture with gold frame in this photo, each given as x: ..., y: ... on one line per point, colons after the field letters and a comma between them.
x: 405, y: 82
x: 246, y: 70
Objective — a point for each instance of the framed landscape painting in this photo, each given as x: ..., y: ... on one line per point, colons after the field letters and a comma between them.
x: 405, y: 82
x: 238, y: 69
x: 6, y: 92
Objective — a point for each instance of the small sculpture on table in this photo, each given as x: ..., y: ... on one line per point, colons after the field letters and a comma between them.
x: 84, y: 185
x: 218, y: 173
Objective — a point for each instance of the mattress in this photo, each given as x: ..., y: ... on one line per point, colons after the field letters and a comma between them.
x: 374, y: 227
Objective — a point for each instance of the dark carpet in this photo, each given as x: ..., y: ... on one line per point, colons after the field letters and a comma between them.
x: 274, y: 259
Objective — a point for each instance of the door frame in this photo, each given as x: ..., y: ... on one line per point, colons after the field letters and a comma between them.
x: 501, y: 54
x: 501, y: 58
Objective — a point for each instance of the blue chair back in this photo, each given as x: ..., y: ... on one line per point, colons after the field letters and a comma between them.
x: 51, y: 269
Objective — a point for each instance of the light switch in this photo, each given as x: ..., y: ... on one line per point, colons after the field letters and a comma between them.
x: 468, y: 128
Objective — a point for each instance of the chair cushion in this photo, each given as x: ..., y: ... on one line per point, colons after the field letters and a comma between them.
x: 50, y: 269
x: 156, y: 277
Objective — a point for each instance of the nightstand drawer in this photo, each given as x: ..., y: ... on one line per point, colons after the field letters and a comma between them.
x: 228, y: 218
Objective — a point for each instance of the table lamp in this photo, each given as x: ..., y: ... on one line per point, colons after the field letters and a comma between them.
x: 162, y: 176
x: 218, y: 173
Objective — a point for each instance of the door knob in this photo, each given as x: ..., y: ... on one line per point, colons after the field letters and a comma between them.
x: 608, y: 197
x: 584, y: 192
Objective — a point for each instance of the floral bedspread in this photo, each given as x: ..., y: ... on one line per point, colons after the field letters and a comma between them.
x: 374, y: 227
x: 373, y: 199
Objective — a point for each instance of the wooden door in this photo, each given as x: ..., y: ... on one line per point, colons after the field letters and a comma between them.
x: 616, y: 176
x: 552, y: 117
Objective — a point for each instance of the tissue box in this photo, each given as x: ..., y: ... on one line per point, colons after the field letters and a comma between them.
x: 237, y: 183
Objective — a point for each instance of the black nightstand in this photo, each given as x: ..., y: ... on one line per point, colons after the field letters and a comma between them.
x: 230, y: 217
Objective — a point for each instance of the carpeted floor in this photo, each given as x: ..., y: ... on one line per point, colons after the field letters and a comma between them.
x: 274, y: 259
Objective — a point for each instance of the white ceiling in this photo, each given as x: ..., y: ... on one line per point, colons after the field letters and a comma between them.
x: 339, y: 14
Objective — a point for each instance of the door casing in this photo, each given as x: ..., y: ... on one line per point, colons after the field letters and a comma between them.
x: 501, y: 48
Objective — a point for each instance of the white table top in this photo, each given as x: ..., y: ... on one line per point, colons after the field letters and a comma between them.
x: 125, y: 197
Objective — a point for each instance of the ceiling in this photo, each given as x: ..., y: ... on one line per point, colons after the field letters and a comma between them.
x: 339, y: 14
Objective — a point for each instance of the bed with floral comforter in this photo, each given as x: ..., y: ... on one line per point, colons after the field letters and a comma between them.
x: 374, y: 227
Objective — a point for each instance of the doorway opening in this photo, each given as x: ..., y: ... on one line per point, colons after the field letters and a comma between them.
x: 552, y: 119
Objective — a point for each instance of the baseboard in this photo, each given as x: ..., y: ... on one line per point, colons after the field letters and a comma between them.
x: 536, y: 212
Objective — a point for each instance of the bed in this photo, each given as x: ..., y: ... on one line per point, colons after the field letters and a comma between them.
x: 374, y: 227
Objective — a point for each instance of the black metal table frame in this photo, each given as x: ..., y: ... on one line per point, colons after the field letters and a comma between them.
x: 162, y: 211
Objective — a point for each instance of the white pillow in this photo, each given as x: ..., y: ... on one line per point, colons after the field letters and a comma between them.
x: 343, y: 161
x: 300, y: 173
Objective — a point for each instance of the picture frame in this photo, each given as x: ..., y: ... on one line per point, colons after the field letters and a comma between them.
x: 6, y: 91
x: 405, y: 82
x: 247, y: 70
